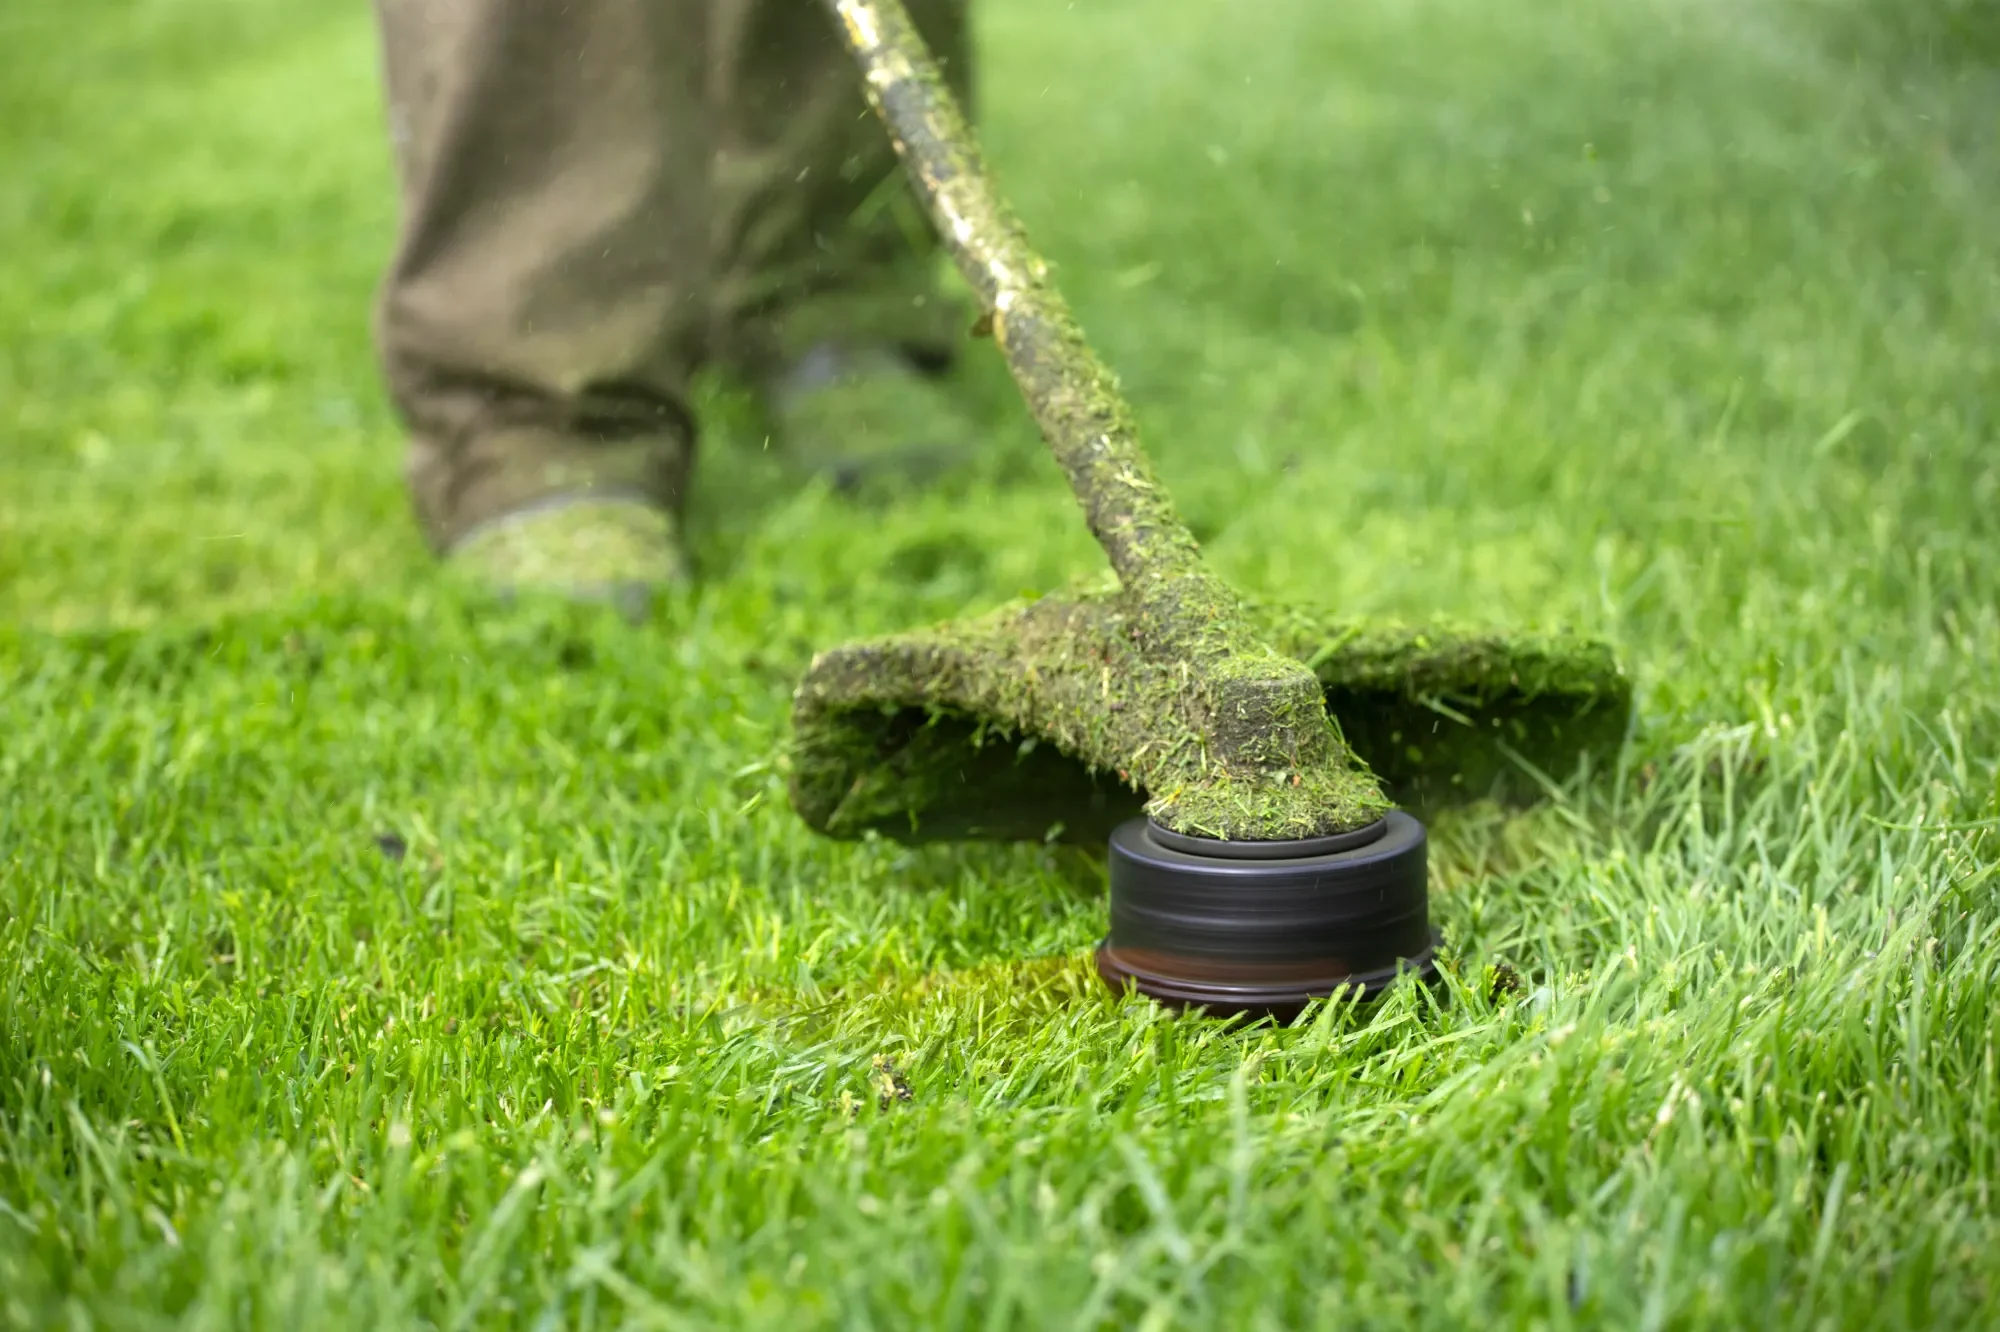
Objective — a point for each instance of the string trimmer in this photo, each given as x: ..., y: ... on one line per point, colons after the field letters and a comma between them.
x: 1255, y: 863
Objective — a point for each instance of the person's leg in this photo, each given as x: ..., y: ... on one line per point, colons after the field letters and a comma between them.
x: 549, y: 292
x: 816, y: 237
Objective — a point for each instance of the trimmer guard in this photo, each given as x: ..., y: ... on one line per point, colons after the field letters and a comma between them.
x: 1030, y: 723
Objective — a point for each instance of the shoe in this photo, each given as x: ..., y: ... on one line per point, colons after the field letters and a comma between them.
x: 856, y: 415
x: 619, y: 552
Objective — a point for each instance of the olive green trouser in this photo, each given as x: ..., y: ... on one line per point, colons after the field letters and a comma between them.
x: 601, y: 196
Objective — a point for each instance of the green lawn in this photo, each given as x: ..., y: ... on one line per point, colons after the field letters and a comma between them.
x: 1676, y: 321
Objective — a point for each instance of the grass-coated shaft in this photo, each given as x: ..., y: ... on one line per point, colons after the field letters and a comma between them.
x: 1072, y: 395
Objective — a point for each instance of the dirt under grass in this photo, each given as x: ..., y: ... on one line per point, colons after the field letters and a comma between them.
x: 372, y: 956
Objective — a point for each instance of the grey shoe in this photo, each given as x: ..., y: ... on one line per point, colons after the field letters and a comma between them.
x: 585, y: 547
x: 859, y: 414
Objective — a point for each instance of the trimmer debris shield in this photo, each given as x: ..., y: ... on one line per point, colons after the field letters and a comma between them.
x: 1031, y: 723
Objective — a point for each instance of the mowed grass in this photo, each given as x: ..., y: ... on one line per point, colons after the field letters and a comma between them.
x: 373, y: 956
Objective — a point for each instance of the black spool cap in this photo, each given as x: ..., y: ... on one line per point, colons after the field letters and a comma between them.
x: 1264, y: 928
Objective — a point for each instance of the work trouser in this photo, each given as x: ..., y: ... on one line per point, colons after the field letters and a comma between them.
x: 600, y: 196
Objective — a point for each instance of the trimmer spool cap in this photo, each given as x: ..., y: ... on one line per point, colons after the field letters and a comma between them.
x: 1264, y: 928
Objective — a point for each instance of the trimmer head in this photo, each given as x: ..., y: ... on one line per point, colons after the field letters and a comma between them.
x: 1265, y: 928
x: 1270, y: 867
